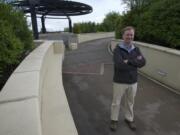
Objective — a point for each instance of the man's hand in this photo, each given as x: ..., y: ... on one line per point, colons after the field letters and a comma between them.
x: 139, y: 57
x: 125, y: 61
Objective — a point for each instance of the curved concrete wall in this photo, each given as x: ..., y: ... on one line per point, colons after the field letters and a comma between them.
x: 80, y: 38
x: 33, y: 101
x: 163, y: 64
x: 94, y: 36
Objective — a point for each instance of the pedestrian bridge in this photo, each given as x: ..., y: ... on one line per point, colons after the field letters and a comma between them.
x: 74, y: 97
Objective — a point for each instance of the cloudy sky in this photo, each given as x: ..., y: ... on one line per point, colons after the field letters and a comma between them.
x: 100, y: 9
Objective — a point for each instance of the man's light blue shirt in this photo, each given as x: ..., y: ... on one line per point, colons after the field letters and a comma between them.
x: 128, y: 48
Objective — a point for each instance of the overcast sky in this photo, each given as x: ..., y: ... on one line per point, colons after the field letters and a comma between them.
x: 100, y: 9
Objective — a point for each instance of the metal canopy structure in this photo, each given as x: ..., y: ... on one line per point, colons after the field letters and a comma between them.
x: 51, y: 8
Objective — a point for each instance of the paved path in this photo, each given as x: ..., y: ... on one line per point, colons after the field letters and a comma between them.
x: 87, y: 78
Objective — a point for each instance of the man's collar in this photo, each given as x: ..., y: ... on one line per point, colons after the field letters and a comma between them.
x: 128, y: 48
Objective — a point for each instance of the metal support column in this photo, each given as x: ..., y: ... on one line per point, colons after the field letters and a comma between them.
x: 70, y: 24
x: 43, y: 24
x: 34, y: 22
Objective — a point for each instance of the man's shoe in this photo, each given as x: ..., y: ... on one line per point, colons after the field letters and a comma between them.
x: 113, y: 125
x: 131, y: 124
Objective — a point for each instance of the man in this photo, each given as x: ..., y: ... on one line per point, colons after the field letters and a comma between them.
x: 127, y: 59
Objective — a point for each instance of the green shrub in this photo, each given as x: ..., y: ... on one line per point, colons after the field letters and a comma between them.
x: 18, y: 22
x: 15, y: 38
x: 11, y: 47
x: 118, y: 27
x: 76, y: 28
x: 109, y: 22
x: 158, y: 23
x: 107, y: 25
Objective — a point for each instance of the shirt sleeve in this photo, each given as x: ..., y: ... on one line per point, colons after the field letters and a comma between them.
x: 139, y: 63
x: 119, y: 61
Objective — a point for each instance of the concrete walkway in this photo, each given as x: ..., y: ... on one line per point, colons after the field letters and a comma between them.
x: 87, y: 78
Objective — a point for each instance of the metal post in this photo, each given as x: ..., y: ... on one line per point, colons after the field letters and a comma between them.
x: 34, y: 22
x: 43, y: 24
x: 70, y: 24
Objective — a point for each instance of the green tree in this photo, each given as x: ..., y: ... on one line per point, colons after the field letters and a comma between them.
x: 84, y: 27
x: 109, y: 22
x: 118, y: 27
x: 15, y: 38
x: 99, y: 27
x: 76, y: 28
x: 158, y: 23
x: 137, y: 4
x: 66, y: 29
x: 11, y: 47
x: 19, y: 24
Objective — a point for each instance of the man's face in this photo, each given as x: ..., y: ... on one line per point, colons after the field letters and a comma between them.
x: 128, y: 36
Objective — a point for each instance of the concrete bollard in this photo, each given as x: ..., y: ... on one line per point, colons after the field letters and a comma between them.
x: 73, y: 46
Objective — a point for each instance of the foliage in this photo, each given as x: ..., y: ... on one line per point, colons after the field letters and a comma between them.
x: 76, y: 28
x: 162, y: 23
x: 118, y: 27
x: 157, y: 23
x: 108, y: 24
x: 17, y: 20
x: 10, y: 47
x: 85, y: 27
x: 15, y: 37
x: 66, y: 29
x: 137, y: 4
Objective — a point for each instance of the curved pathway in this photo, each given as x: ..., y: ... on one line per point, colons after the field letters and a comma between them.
x: 87, y: 79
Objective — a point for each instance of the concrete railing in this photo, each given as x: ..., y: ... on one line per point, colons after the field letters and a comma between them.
x: 33, y: 101
x: 80, y: 38
x: 71, y: 40
x: 163, y: 64
x: 94, y: 36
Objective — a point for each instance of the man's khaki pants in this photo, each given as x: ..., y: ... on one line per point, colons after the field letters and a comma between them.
x: 129, y: 92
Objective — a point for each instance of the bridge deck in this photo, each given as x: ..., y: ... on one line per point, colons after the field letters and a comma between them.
x: 87, y: 78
